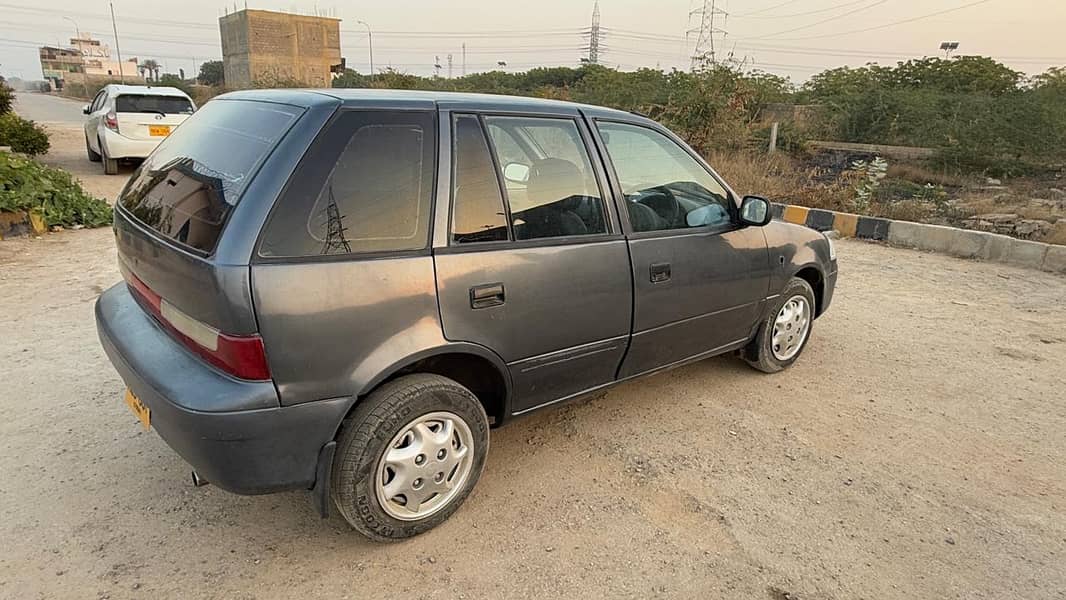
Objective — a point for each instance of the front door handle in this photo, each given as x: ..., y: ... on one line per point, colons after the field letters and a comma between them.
x: 660, y: 272
x: 484, y: 296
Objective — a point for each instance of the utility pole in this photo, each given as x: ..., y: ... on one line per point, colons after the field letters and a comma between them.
x: 370, y: 43
x: 84, y: 75
x: 594, y: 35
x: 449, y: 65
x: 436, y: 66
x: 118, y: 49
x: 464, y: 59
x: 705, y: 33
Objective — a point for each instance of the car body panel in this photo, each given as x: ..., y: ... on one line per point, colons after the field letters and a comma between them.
x: 330, y: 326
x: 718, y: 282
x: 557, y: 300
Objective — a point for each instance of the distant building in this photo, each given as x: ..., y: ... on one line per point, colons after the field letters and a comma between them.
x: 87, y: 58
x: 268, y: 48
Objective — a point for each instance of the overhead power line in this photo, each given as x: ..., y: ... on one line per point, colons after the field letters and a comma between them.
x: 817, y: 23
x: 887, y: 25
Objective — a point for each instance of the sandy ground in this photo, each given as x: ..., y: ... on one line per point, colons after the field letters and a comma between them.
x: 915, y: 451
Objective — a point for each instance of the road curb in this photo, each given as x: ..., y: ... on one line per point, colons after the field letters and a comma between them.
x: 963, y: 243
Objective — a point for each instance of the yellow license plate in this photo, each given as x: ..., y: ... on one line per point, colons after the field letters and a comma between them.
x: 143, y: 412
x: 159, y: 130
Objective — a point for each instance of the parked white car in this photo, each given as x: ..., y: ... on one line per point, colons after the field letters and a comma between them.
x: 129, y: 121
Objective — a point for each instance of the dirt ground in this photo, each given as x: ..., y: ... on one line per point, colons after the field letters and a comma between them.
x: 916, y: 450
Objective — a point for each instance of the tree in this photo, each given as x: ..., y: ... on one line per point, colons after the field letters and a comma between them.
x: 152, y: 67
x: 211, y: 73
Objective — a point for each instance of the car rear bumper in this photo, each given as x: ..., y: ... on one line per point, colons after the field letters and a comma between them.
x: 232, y: 432
x: 117, y: 145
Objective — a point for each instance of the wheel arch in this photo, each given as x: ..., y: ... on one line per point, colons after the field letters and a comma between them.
x: 475, y: 367
x: 812, y: 274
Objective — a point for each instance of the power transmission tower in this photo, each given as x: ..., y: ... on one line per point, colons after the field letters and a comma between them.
x: 705, y: 32
x: 594, y: 34
x: 335, y: 228
x: 436, y: 66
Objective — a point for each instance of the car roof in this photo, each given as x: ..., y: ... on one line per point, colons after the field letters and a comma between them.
x: 385, y: 98
x: 144, y: 90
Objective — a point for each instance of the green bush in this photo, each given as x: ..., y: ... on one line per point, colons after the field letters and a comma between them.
x: 7, y: 97
x: 22, y: 135
x: 27, y: 185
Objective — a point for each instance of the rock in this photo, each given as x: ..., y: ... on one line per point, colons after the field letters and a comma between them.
x: 950, y: 541
x: 1031, y: 228
x: 1057, y: 193
x: 998, y: 217
x: 993, y: 181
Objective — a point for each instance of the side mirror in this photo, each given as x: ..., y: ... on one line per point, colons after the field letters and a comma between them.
x: 755, y: 210
x: 516, y: 172
x: 85, y: 109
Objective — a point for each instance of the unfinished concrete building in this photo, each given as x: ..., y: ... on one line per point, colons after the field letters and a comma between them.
x: 263, y: 48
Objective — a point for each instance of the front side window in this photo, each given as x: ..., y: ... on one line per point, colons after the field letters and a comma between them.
x: 365, y: 187
x: 551, y: 188
x: 664, y: 186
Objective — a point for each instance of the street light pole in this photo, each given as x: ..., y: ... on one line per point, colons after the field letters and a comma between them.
x: 84, y: 73
x: 370, y: 43
x: 118, y: 50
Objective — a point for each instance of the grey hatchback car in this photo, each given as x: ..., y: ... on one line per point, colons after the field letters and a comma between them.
x: 343, y: 290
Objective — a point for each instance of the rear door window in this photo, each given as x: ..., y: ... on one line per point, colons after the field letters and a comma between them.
x: 365, y: 187
x: 188, y: 186
x: 147, y: 103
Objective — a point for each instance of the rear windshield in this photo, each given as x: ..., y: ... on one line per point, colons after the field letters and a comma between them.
x: 187, y: 187
x: 138, y: 103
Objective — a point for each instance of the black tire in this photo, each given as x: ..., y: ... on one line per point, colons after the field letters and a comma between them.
x: 110, y: 164
x: 92, y: 154
x: 365, y: 437
x: 759, y: 353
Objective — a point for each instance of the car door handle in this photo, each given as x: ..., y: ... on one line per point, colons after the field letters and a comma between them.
x: 484, y: 296
x: 660, y: 272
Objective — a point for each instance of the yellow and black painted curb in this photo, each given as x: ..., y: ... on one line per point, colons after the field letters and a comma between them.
x: 963, y: 243
x: 17, y: 224
x: 848, y: 225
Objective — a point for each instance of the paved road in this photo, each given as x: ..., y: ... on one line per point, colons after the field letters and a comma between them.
x: 49, y: 109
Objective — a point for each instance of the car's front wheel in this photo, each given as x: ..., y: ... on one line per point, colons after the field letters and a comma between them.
x: 408, y: 456
x: 93, y: 155
x: 784, y: 332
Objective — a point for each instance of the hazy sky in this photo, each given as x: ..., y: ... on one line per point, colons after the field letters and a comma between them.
x: 794, y: 38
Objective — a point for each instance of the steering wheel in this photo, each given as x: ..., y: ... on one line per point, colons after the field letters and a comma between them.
x: 664, y: 203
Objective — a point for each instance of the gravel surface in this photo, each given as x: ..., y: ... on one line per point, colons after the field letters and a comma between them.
x: 916, y: 450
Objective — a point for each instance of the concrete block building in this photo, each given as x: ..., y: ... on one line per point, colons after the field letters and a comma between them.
x: 266, y: 48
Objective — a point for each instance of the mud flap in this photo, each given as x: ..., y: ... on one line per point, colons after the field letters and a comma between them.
x: 323, y: 473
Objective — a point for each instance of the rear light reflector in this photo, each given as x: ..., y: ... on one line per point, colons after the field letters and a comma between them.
x: 243, y: 356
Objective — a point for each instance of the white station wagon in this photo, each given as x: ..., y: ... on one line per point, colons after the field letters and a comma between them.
x: 129, y: 121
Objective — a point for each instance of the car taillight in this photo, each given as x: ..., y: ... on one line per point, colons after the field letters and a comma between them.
x: 111, y: 121
x: 242, y: 356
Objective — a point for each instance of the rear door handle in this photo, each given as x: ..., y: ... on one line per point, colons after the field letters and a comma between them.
x: 484, y: 296
x: 660, y: 272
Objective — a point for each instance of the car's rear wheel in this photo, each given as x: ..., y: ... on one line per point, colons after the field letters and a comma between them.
x: 408, y: 456
x: 784, y: 332
x: 93, y: 155
x: 110, y: 164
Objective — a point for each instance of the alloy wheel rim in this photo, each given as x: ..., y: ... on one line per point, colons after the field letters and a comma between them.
x: 791, y: 325
x: 424, y: 466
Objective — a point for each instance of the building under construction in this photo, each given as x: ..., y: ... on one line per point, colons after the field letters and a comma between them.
x: 265, y: 49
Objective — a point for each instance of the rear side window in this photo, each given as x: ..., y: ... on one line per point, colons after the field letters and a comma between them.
x: 365, y: 187
x: 477, y: 206
x: 142, y: 103
x: 188, y: 186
